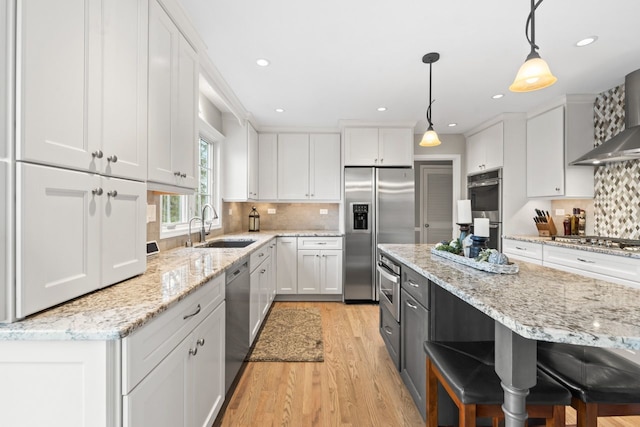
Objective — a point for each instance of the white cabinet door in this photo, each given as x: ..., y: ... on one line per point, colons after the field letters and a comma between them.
x: 265, y: 287
x: 58, y: 48
x: 293, y: 166
x: 324, y: 166
x: 485, y: 149
x: 207, y: 369
x: 545, y: 154
x: 308, y: 272
x: 331, y: 272
x: 65, y: 262
x: 252, y: 138
x: 124, y: 88
x: 173, y: 89
x: 287, y: 270
x: 274, y: 270
x: 360, y: 146
x: 160, y: 399
x: 124, y: 229
x: 475, y: 154
x: 254, y: 304
x: 267, y: 166
x: 395, y: 147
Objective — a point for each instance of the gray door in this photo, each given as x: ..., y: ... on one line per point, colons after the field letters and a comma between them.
x: 436, y: 199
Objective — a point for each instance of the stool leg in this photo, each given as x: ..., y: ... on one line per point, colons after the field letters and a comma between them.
x: 432, y: 396
x: 587, y: 413
x: 559, y: 417
x: 467, y: 415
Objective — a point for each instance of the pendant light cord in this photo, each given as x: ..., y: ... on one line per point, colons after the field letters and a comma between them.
x: 430, y: 100
x: 531, y: 21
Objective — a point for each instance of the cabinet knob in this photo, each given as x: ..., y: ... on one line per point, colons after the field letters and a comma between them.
x: 375, y: 160
x: 97, y: 191
x: 97, y: 154
x: 193, y: 351
x: 112, y: 159
x: 113, y: 193
x: 183, y: 175
x: 313, y: 195
x: 177, y: 173
x: 381, y: 160
x: 557, y: 188
x: 200, y: 342
x: 263, y: 271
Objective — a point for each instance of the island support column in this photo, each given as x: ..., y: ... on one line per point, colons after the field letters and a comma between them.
x: 516, y: 367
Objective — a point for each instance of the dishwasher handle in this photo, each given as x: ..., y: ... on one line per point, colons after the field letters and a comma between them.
x: 237, y: 272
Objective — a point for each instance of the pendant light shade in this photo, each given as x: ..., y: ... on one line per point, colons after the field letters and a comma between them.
x: 430, y: 137
x: 534, y: 74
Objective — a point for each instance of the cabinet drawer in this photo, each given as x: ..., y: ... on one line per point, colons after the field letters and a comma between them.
x: 614, y: 268
x: 319, y: 243
x: 416, y: 285
x: 524, y: 251
x: 390, y: 331
x: 257, y: 257
x: 148, y: 346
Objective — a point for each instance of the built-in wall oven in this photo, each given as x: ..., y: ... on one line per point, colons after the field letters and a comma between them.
x: 389, y: 279
x: 485, y: 192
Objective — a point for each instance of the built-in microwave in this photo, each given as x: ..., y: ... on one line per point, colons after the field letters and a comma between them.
x: 389, y: 280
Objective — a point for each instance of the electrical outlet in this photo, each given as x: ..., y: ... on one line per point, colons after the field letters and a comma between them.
x: 151, y: 213
x: 559, y: 212
x: 324, y: 211
x: 230, y: 211
x: 271, y: 211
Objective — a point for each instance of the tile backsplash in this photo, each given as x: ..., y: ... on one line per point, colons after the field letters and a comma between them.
x: 617, y: 185
x: 288, y: 216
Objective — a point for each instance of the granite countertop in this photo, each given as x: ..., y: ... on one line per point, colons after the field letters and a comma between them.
x: 587, y: 248
x: 116, y: 311
x: 538, y: 303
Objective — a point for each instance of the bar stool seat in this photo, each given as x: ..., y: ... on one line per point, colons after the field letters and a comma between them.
x: 466, y: 371
x: 601, y: 382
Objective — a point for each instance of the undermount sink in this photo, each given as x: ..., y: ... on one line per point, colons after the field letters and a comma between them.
x: 226, y: 244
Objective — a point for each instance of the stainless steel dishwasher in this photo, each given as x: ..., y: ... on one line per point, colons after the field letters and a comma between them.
x: 237, y: 319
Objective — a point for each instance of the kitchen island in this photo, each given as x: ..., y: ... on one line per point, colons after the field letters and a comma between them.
x: 538, y: 303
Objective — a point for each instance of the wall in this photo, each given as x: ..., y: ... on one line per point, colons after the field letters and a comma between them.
x: 617, y: 185
x: 209, y: 113
x: 451, y: 144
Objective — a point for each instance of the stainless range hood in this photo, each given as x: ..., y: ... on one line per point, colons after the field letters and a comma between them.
x: 626, y: 144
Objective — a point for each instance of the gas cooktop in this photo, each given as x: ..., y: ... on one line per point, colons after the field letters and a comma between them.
x: 609, y: 242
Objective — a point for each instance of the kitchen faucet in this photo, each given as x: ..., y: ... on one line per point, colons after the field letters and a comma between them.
x: 188, y: 243
x: 203, y: 234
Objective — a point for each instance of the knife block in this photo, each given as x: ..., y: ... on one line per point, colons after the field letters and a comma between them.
x: 547, y: 229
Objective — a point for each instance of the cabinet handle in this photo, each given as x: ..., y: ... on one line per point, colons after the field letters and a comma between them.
x: 381, y: 160
x: 375, y: 160
x: 183, y: 175
x: 192, y: 314
x: 200, y: 342
x: 263, y: 271
x: 318, y: 256
x: 521, y: 249
x: 113, y: 193
x: 261, y: 254
x: 557, y: 188
x: 97, y: 154
x: 586, y: 260
x: 313, y: 195
x: 112, y: 159
x: 321, y: 243
x: 306, y: 195
x: 97, y: 191
x: 177, y: 173
x: 193, y: 351
x: 410, y: 283
x: 388, y: 330
x: 415, y: 307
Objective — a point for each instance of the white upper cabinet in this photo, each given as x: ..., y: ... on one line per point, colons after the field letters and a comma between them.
x: 309, y: 166
x: 556, y: 137
x: 82, y: 85
x: 254, y: 162
x: 173, y: 94
x: 485, y: 149
x: 240, y: 161
x: 94, y: 234
x: 378, y: 146
x: 267, y: 166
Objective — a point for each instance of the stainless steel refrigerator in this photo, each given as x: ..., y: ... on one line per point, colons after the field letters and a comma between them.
x: 379, y: 205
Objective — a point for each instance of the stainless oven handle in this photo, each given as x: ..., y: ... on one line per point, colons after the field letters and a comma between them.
x: 388, y: 276
x: 483, y: 183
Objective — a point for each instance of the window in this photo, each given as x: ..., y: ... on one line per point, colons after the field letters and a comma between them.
x: 178, y: 209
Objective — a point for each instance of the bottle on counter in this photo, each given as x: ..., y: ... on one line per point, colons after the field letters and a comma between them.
x: 582, y: 222
x: 567, y: 225
x: 574, y: 223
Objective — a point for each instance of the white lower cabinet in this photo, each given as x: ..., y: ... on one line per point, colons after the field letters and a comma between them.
x: 287, y: 260
x: 82, y: 231
x: 260, y: 285
x: 523, y: 251
x: 320, y: 271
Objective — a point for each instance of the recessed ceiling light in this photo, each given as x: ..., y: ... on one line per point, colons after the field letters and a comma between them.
x: 497, y: 96
x: 279, y: 110
x: 262, y: 62
x: 586, y: 41
x: 382, y: 108
x: 452, y: 125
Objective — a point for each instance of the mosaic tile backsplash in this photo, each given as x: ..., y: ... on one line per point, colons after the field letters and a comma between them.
x: 617, y: 185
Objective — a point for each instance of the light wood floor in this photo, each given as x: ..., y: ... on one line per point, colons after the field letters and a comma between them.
x: 356, y: 386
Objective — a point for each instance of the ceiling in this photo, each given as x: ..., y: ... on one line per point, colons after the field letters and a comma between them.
x: 334, y: 60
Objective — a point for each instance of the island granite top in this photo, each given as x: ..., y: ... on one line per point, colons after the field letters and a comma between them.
x: 538, y: 303
x: 116, y: 311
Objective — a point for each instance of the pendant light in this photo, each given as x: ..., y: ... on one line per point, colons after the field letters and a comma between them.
x: 534, y: 74
x: 430, y: 137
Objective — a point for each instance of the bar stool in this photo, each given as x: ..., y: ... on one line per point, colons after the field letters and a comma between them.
x: 602, y: 383
x: 466, y: 371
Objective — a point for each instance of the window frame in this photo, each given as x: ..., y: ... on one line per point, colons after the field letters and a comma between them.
x: 214, y: 138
